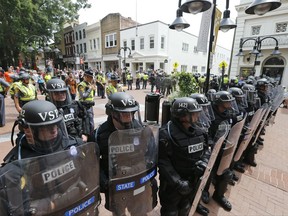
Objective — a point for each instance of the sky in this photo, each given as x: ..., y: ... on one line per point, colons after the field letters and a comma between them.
x: 145, y: 11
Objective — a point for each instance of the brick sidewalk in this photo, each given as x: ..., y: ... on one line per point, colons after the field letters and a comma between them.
x: 262, y: 190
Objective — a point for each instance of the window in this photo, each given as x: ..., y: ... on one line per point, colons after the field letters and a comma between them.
x: 256, y: 30
x: 132, y: 44
x: 85, y: 48
x: 110, y: 40
x: 94, y: 43
x: 76, y: 35
x: 162, y: 42
x: 194, y: 69
x: 185, y: 47
x: 183, y: 68
x: 80, y: 35
x: 91, y: 45
x: 195, y: 49
x: 84, y: 33
x: 81, y: 48
x: 151, y: 42
x: 203, y: 69
x: 124, y: 43
x: 281, y: 27
x: 98, y: 43
x: 77, y: 48
x: 141, y: 43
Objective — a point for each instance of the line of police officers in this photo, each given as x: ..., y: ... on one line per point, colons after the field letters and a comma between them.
x: 52, y: 170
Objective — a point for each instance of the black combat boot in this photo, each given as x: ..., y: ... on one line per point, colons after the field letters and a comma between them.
x: 239, y: 167
x: 205, y: 196
x: 202, y: 210
x: 222, y: 201
x: 220, y: 189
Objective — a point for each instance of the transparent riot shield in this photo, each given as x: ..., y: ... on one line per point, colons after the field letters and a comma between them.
x: 220, y: 136
x: 62, y: 183
x: 262, y: 123
x: 230, y: 146
x: 249, y: 134
x: 132, y: 167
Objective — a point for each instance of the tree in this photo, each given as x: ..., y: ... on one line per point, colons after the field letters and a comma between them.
x: 21, y: 18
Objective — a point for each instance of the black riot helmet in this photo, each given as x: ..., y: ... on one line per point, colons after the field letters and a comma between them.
x: 43, y: 126
x: 58, y: 92
x: 250, y: 92
x: 262, y: 83
x: 203, y: 101
x: 187, y: 106
x: 122, y: 108
x: 210, y: 94
x: 239, y: 96
x: 225, y: 102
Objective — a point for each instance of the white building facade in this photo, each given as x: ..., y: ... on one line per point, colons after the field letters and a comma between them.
x: 94, y: 51
x: 267, y: 30
x: 155, y: 46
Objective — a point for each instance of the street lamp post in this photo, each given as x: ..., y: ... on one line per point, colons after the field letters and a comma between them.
x: 258, y: 7
x: 257, y: 48
x: 194, y: 7
x: 125, y: 49
x: 43, y: 46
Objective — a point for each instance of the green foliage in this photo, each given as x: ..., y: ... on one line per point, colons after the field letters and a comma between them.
x: 20, y: 19
x: 186, y: 85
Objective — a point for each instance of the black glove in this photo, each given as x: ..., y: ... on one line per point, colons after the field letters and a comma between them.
x: 183, y: 187
x: 200, y: 167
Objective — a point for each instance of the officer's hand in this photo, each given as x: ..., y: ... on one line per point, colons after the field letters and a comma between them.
x: 200, y: 167
x: 183, y: 187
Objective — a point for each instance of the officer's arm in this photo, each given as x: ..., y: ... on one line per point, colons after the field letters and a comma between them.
x: 16, y: 100
x: 166, y: 168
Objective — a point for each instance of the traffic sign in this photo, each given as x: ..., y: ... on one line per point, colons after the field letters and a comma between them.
x: 223, y: 64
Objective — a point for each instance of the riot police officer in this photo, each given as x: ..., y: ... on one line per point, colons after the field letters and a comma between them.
x: 86, y: 90
x: 224, y: 109
x: 74, y: 113
x: 27, y: 186
x: 125, y: 159
x: 183, y: 157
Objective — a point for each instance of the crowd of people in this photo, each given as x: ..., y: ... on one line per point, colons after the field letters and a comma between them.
x: 207, y: 138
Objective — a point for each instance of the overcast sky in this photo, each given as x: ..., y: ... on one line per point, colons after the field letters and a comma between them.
x: 145, y: 11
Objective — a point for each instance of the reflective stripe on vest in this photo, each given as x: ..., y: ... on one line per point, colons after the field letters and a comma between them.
x: 28, y: 92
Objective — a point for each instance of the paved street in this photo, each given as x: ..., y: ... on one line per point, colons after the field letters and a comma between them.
x: 262, y: 190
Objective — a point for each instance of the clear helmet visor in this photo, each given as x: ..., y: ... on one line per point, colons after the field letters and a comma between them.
x: 208, y: 111
x: 199, y: 120
x: 47, y: 138
x: 257, y: 103
x: 60, y: 98
x: 230, y: 107
x: 126, y: 120
x: 250, y: 96
x: 241, y: 101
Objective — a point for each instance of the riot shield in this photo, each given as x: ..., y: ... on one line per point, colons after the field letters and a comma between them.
x: 133, y: 157
x: 249, y: 134
x: 262, y: 123
x: 62, y: 183
x: 220, y: 136
x: 230, y: 146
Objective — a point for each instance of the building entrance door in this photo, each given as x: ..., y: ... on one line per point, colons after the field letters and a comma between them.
x: 274, y: 67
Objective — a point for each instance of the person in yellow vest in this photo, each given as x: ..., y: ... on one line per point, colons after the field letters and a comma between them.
x: 86, y: 91
x: 202, y: 81
x: 225, y: 84
x: 138, y: 79
x: 47, y: 77
x: 101, y: 82
x: 113, y: 86
x: 129, y: 79
x: 145, y: 79
x: 16, y: 82
x: 24, y: 92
